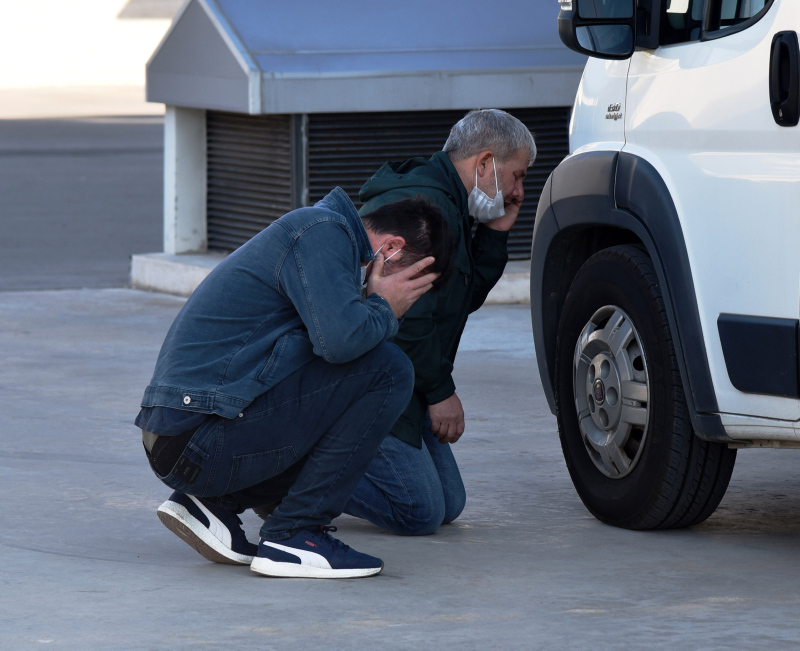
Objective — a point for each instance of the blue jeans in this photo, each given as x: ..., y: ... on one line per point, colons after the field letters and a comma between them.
x: 330, y: 417
x: 408, y: 491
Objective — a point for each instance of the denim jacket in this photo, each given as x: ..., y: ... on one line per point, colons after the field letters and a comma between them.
x: 288, y: 296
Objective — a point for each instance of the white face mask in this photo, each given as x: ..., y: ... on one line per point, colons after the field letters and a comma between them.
x: 366, y: 267
x: 481, y: 206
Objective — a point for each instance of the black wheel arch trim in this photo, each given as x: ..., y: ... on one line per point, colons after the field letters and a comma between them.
x: 605, y: 198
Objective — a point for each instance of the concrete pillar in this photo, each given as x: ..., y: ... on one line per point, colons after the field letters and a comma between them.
x: 184, y: 181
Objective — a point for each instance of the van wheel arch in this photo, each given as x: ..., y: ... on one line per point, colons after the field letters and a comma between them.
x: 600, y: 199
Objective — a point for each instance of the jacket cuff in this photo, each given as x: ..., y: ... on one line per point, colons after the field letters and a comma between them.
x: 442, y: 392
x: 488, y: 237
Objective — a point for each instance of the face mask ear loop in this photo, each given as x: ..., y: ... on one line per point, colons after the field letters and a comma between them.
x: 496, y: 186
x: 394, y: 254
x: 369, y: 264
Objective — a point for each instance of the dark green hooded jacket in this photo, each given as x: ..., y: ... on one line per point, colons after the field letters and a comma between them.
x: 431, y: 330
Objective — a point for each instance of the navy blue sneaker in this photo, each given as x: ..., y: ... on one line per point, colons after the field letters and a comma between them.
x: 214, y: 532
x: 313, y: 553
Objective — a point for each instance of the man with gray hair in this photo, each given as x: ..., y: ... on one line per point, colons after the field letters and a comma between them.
x: 413, y: 485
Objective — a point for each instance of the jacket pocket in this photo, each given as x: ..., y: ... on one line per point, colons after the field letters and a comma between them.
x: 290, y: 352
x: 251, y: 469
x: 463, y: 273
x: 274, y: 358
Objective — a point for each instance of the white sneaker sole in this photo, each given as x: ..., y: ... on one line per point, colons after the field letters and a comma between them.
x: 266, y: 567
x: 183, y: 524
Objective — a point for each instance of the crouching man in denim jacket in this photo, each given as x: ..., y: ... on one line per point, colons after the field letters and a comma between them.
x: 277, y: 382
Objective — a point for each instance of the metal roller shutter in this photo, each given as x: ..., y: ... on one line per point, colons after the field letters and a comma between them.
x: 256, y: 169
x: 249, y: 175
x: 346, y: 149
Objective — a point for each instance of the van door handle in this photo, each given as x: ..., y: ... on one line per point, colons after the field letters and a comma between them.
x: 784, y: 79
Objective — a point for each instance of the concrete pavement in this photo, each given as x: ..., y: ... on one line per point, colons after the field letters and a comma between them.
x: 85, y: 563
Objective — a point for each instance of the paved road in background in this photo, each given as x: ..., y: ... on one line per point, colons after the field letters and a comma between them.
x: 77, y: 198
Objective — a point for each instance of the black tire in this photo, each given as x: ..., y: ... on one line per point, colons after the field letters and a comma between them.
x: 674, y: 479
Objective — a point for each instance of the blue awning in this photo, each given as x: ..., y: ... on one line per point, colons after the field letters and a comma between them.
x: 268, y: 56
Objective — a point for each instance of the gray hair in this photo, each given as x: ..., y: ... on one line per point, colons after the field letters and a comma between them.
x: 490, y: 129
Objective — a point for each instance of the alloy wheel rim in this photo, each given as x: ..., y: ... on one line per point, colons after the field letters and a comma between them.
x: 612, y: 390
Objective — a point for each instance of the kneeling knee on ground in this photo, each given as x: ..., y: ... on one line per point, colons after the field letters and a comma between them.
x: 420, y: 518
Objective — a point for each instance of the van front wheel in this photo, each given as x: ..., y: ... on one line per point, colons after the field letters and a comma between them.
x: 622, y: 416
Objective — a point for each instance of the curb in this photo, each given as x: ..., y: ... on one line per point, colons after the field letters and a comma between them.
x: 172, y: 274
x: 181, y: 274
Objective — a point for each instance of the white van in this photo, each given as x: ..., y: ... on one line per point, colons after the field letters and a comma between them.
x: 665, y: 273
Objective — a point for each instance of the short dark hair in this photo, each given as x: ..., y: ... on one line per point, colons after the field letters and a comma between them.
x: 422, y: 226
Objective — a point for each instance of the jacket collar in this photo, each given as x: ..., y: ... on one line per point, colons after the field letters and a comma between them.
x: 444, y: 165
x: 338, y: 201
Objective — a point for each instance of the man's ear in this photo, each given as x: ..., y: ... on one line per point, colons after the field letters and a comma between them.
x: 392, y: 245
x: 485, y: 163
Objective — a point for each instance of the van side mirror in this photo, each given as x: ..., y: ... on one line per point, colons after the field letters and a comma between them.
x: 605, y: 29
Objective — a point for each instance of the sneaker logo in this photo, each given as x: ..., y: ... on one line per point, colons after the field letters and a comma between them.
x: 310, y: 544
x: 309, y: 558
x: 215, y: 525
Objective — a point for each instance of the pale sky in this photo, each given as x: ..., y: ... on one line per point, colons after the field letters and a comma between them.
x: 45, y: 43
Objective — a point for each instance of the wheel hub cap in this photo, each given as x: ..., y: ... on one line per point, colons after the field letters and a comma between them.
x: 599, y: 391
x: 611, y: 391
